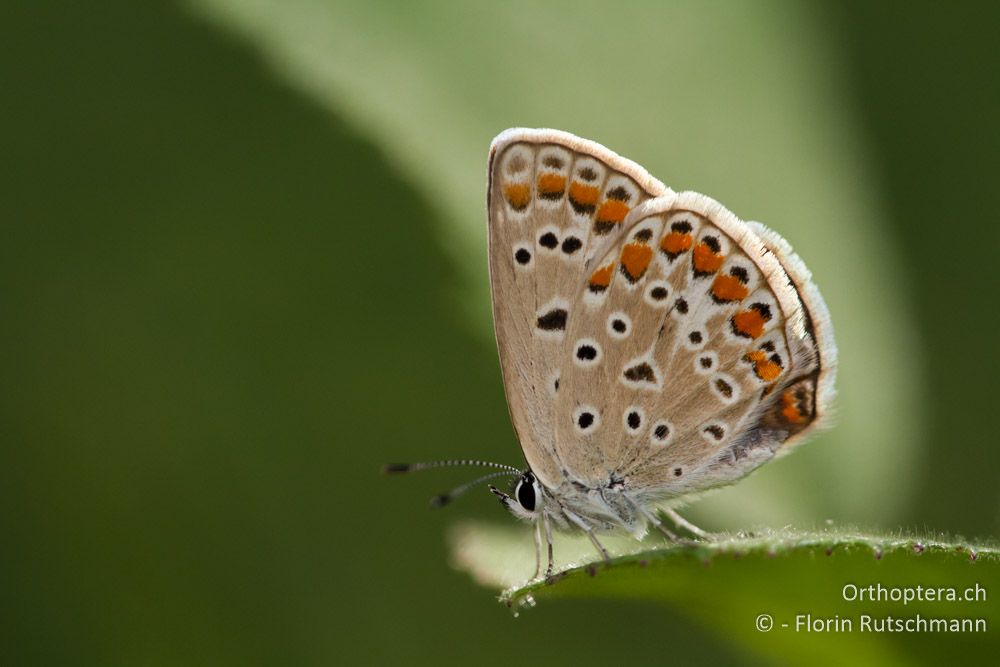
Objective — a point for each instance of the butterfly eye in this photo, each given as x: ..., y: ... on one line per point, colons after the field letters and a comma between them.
x: 525, y: 492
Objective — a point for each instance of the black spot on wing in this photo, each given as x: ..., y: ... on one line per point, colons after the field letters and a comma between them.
x: 724, y: 388
x: 571, y: 244
x: 641, y: 372
x: 681, y: 227
x: 554, y: 320
x: 619, y: 193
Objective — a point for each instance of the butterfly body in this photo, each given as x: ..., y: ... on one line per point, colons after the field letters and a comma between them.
x: 604, y: 508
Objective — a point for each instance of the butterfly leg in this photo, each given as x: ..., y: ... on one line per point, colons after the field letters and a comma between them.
x: 600, y: 547
x: 681, y: 522
x: 538, y: 549
x: 590, y: 533
x: 548, y: 538
x: 652, y: 518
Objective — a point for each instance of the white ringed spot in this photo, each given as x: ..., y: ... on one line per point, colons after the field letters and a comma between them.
x: 633, y: 418
x: 725, y: 388
x: 619, y: 325
x: 586, y: 419
x: 706, y: 362
x: 661, y: 432
x: 657, y: 294
x: 587, y: 353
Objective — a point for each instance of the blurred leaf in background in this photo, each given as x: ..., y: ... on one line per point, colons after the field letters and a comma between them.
x: 743, y: 101
x: 244, y: 265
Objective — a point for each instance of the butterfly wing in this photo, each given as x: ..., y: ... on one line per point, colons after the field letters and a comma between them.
x: 644, y: 335
x: 713, y: 349
x: 555, y: 202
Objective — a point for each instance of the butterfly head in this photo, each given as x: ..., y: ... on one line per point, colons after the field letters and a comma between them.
x: 525, y: 499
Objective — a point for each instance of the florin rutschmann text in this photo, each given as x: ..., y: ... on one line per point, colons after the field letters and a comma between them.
x: 879, y: 623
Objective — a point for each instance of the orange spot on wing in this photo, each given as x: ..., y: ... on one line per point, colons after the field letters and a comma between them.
x: 729, y: 288
x: 601, y: 278
x: 635, y: 260
x: 791, y: 411
x: 765, y: 369
x: 585, y: 195
x: 612, y: 211
x: 706, y: 261
x: 675, y: 243
x: 768, y: 371
x: 518, y: 194
x: 551, y: 184
x: 749, y: 323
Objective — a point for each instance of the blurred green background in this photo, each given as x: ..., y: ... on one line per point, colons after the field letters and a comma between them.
x: 244, y: 265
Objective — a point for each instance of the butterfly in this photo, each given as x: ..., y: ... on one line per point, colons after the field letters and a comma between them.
x: 652, y: 344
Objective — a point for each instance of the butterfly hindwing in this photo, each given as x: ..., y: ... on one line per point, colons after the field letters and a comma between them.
x: 696, y: 390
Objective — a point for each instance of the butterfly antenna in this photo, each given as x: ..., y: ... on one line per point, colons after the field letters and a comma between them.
x: 445, y: 498
x: 394, y: 468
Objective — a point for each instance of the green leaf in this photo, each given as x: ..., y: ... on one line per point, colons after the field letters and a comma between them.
x: 797, y: 578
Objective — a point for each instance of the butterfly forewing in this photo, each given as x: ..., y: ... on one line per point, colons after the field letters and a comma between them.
x: 554, y: 201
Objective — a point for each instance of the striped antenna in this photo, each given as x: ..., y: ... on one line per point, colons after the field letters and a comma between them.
x: 394, y: 468
x: 443, y: 499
